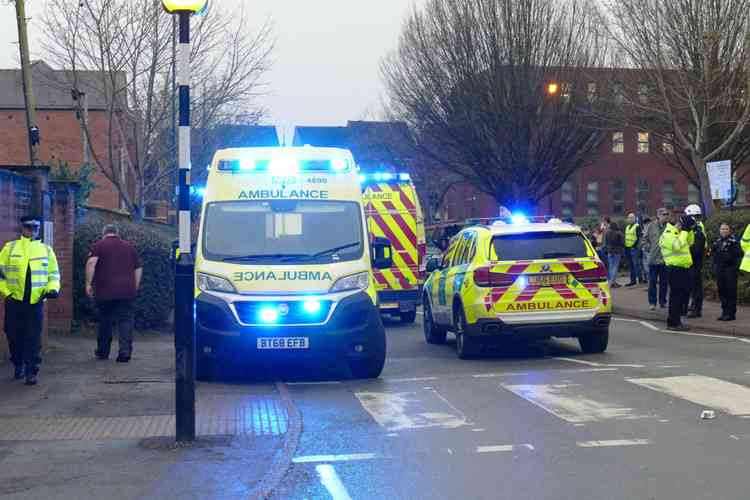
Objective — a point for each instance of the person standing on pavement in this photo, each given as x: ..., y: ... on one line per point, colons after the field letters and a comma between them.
x: 614, y: 243
x: 113, y: 277
x: 645, y: 250
x: 657, y: 271
x: 745, y: 244
x: 697, y: 251
x: 675, y: 245
x: 28, y: 275
x: 727, y: 257
x: 633, y: 249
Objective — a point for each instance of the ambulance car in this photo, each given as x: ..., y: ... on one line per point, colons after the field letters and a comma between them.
x: 284, y: 262
x: 518, y: 280
x: 393, y: 212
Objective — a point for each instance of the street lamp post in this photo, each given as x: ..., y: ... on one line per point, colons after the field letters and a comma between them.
x: 184, y: 335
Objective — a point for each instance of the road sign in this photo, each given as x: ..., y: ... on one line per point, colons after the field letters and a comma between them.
x: 720, y: 179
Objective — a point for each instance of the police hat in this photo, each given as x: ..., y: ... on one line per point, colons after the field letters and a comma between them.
x: 31, y: 220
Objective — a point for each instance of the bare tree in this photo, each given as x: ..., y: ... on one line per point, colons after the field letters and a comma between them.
x: 471, y: 78
x: 693, y: 91
x: 128, y: 46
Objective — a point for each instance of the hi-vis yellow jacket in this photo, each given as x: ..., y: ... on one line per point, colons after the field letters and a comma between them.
x: 745, y: 244
x: 19, y: 256
x: 675, y: 246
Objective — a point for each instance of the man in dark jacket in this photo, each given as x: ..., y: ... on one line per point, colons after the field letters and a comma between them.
x: 697, y: 250
x: 727, y: 257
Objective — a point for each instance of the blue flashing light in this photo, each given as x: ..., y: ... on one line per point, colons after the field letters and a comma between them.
x: 311, y: 306
x: 198, y: 191
x: 519, y: 218
x: 269, y: 315
x: 247, y: 164
x: 378, y: 176
x: 362, y: 179
x: 338, y: 164
x: 387, y: 176
x: 404, y: 177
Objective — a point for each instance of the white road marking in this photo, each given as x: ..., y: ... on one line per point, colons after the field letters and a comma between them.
x: 571, y: 404
x: 332, y: 483
x: 670, y: 366
x: 499, y: 374
x: 503, y: 447
x: 708, y: 392
x: 593, y: 363
x: 392, y: 434
x: 403, y: 410
x: 689, y: 334
x: 663, y: 421
x: 324, y: 382
x: 334, y: 458
x: 612, y: 442
x: 413, y: 379
x: 477, y: 430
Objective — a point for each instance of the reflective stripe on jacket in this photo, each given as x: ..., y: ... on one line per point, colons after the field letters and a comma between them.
x: 745, y: 244
x: 19, y: 256
x: 675, y: 247
x: 631, y: 235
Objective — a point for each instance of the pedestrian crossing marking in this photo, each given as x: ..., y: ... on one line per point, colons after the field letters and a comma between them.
x: 708, y: 392
x: 570, y: 403
x: 405, y: 410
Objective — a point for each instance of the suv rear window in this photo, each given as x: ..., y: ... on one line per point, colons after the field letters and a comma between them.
x: 541, y: 245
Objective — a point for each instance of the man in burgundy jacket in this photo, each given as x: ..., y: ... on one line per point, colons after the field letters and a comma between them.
x: 113, y: 277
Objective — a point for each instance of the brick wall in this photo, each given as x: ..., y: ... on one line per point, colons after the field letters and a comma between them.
x: 61, y: 139
x: 16, y: 195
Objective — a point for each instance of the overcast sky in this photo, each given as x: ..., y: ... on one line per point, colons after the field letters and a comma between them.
x: 325, y: 68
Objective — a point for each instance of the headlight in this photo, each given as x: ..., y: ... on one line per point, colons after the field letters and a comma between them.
x: 354, y: 282
x: 208, y: 283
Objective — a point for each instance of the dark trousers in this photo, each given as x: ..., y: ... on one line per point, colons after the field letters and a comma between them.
x: 679, y: 293
x: 113, y: 312
x: 726, y: 279
x: 696, y: 289
x: 23, y: 328
x: 657, y: 274
x: 633, y: 256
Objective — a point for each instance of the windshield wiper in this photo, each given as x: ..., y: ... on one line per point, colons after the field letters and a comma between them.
x: 332, y: 250
x: 555, y: 255
x: 265, y: 256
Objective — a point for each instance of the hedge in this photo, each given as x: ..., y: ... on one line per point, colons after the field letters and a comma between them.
x: 156, y: 297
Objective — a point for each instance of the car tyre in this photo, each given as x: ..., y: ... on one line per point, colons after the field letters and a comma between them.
x: 372, y: 365
x: 595, y: 342
x: 408, y: 317
x: 465, y: 344
x: 433, y: 334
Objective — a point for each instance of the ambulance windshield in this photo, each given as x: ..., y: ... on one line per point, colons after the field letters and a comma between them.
x: 283, y: 231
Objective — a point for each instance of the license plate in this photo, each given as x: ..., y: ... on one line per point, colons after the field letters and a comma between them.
x: 389, y: 305
x: 548, y: 279
x: 283, y: 343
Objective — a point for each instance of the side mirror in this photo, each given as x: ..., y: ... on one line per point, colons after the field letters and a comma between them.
x: 382, y: 253
x: 433, y: 264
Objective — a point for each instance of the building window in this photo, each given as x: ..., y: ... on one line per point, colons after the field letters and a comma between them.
x: 643, y: 142
x: 591, y: 91
x: 643, y: 93
x: 741, y: 194
x: 565, y: 91
x: 618, y: 142
x: 618, y: 197
x: 567, y: 199
x: 641, y: 196
x: 694, y: 194
x: 668, y: 195
x: 592, y: 198
x: 618, y: 94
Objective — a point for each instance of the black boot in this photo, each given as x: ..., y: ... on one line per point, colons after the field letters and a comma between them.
x: 19, y: 372
x: 30, y: 379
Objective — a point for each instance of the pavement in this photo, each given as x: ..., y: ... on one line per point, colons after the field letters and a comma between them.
x: 532, y: 420
x: 633, y: 302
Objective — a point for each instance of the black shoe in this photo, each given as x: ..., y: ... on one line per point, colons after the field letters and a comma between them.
x: 30, y: 379
x: 730, y: 318
x: 663, y: 306
x: 632, y: 283
x: 723, y: 317
x: 678, y: 328
x: 100, y: 355
x: 123, y: 359
x: 19, y: 372
x: 694, y: 314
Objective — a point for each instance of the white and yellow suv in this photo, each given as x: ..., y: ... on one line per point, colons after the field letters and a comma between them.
x: 517, y: 280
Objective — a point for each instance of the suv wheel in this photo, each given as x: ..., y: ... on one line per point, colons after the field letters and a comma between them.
x: 408, y: 317
x: 595, y: 342
x: 465, y: 344
x: 433, y: 334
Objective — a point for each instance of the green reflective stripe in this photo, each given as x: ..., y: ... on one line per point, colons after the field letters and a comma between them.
x: 9, y: 269
x: 39, y: 258
x: 38, y: 284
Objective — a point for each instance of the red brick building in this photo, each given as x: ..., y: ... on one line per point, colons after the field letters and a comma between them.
x: 61, y: 134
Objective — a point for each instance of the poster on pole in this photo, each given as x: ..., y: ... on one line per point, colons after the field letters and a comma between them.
x: 720, y: 179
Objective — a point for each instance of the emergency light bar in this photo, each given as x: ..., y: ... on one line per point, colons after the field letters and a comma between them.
x: 284, y: 165
x: 383, y: 176
x: 516, y: 218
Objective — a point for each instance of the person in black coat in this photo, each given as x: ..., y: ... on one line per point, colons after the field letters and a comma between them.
x: 727, y: 257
